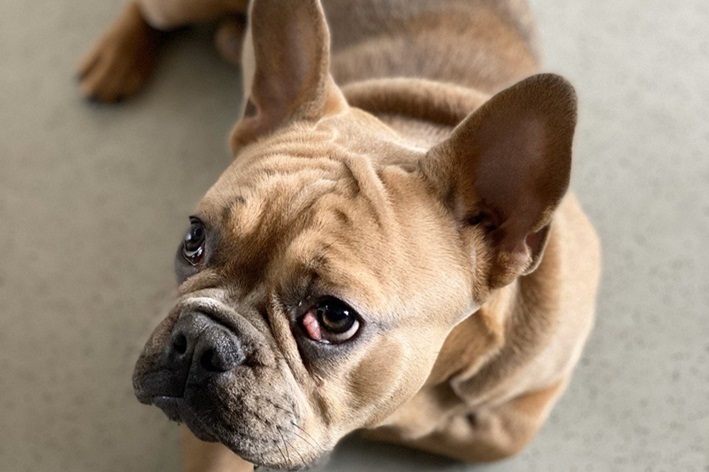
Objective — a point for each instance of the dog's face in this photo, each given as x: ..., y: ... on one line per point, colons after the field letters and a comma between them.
x: 322, y: 273
x: 312, y: 263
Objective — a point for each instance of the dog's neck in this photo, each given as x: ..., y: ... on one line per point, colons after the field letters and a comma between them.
x: 485, y: 349
x: 502, y: 328
x: 422, y: 111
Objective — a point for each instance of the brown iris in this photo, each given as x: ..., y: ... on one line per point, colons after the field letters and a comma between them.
x: 193, y: 242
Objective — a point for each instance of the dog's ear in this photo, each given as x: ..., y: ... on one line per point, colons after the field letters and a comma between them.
x: 290, y: 42
x: 506, y: 167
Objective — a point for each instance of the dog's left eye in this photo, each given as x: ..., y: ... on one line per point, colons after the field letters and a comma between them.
x: 330, y: 321
x: 193, y: 242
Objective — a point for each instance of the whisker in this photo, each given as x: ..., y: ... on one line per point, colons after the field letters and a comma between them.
x: 284, y: 443
x: 290, y: 412
x: 316, y: 445
x: 281, y: 451
x: 304, y: 439
x: 288, y: 444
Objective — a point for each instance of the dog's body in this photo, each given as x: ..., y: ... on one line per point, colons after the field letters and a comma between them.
x: 475, y: 301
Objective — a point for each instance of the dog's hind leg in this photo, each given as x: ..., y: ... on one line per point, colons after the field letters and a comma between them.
x: 487, y: 435
x: 501, y: 432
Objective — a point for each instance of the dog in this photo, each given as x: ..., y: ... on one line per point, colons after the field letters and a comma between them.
x: 393, y: 248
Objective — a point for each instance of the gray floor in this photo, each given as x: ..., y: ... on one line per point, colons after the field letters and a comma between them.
x: 94, y: 200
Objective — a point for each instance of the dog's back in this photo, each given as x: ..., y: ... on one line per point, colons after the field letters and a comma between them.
x: 482, y: 44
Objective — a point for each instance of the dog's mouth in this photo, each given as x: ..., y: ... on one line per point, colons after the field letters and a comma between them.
x: 254, y: 450
x: 179, y: 410
x: 257, y: 423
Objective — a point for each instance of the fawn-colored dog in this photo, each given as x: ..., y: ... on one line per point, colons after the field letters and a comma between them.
x: 393, y: 248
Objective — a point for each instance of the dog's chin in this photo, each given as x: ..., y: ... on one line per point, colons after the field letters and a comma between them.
x: 180, y: 411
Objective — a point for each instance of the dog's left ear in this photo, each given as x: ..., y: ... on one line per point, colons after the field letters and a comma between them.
x: 290, y: 42
x: 505, y: 169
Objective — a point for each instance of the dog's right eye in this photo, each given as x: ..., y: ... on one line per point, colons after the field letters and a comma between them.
x: 330, y: 321
x: 193, y: 242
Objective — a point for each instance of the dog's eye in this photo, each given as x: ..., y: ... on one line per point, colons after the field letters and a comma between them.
x: 193, y: 243
x: 330, y: 321
x: 335, y: 316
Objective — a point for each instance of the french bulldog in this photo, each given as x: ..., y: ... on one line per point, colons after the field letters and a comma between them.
x: 393, y: 248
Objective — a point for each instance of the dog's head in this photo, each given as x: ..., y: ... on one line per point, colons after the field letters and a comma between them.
x: 323, y: 271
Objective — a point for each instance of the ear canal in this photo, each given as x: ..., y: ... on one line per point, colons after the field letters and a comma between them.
x: 506, y: 167
x: 290, y: 45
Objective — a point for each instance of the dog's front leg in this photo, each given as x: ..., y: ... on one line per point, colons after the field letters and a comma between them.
x: 200, y: 456
x: 122, y: 59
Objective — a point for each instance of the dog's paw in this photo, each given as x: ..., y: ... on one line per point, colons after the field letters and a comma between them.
x: 121, y: 61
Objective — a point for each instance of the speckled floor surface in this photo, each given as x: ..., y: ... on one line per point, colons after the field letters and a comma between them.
x: 94, y: 200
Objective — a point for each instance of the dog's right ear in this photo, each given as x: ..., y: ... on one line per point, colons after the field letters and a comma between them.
x: 291, y: 82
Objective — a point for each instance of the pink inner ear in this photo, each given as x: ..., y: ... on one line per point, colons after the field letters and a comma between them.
x: 511, y: 164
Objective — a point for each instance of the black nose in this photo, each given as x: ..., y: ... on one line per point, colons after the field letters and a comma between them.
x: 200, y: 347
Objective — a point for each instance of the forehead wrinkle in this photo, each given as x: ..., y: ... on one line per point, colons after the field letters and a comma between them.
x: 229, y: 208
x: 299, y: 141
x: 275, y: 211
x: 280, y: 164
x: 284, y: 196
x: 284, y: 177
x: 370, y: 187
x: 324, y: 146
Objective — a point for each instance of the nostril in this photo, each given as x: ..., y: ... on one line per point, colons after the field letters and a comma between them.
x: 209, y: 362
x: 179, y: 344
x: 221, y: 357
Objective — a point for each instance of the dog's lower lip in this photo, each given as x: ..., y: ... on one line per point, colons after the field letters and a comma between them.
x: 165, y: 398
x: 169, y: 405
x: 177, y: 409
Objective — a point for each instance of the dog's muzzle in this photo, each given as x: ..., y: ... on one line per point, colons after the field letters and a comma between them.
x: 198, y: 352
x: 201, y: 348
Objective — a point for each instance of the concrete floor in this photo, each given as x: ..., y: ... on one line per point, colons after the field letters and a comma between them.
x: 94, y: 200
